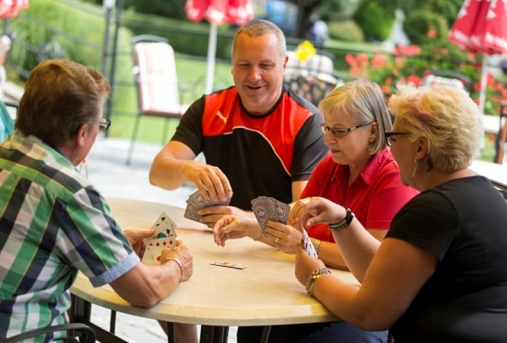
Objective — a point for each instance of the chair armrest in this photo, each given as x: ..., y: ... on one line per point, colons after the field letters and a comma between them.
x: 89, y: 334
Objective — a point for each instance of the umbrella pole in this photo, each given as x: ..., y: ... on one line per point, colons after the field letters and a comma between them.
x: 484, y: 81
x: 212, y: 48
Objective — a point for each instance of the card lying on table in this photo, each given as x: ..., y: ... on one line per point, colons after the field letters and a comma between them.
x: 228, y: 264
x: 196, y: 201
x: 164, y: 237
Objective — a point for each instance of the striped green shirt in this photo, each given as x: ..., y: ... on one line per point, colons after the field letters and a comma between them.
x: 53, y: 223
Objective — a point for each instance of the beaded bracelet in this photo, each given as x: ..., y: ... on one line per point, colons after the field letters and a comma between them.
x: 317, y: 273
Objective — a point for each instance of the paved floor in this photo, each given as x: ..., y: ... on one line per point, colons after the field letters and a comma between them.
x: 113, y: 178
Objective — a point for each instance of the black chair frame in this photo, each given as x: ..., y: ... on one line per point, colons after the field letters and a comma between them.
x: 84, y: 332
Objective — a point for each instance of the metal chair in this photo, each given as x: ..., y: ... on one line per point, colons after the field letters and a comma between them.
x: 86, y: 334
x: 156, y: 82
x: 448, y: 78
x: 501, y: 137
x: 313, y: 78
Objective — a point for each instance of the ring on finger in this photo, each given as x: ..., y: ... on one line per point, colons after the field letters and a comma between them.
x: 304, y: 201
x: 276, y: 240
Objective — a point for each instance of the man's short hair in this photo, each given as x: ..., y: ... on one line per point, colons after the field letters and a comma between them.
x: 260, y: 27
x: 60, y: 96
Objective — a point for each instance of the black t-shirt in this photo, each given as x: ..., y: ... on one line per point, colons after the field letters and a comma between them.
x: 259, y: 155
x: 464, y: 223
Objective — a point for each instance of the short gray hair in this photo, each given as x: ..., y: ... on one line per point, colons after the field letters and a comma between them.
x: 260, y: 27
x: 364, y: 101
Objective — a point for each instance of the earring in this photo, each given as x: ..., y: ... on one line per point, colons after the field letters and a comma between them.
x: 416, y: 165
x: 372, y: 140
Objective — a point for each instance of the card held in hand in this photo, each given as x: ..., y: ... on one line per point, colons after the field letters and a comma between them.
x: 268, y: 208
x: 261, y: 208
x: 308, y: 245
x: 164, y: 237
x: 196, y: 201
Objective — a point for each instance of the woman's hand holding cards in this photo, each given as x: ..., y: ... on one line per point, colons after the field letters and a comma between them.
x: 284, y: 237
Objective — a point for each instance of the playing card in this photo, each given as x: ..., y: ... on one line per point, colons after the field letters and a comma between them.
x: 308, y: 245
x: 164, y: 227
x: 262, y: 209
x: 196, y: 201
x: 281, y: 211
x: 228, y: 264
x: 153, y: 249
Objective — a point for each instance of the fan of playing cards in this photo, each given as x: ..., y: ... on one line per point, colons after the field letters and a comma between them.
x: 164, y: 237
x: 268, y: 208
x: 196, y: 201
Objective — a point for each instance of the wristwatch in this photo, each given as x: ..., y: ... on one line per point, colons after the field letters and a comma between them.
x: 344, y: 223
x: 317, y: 273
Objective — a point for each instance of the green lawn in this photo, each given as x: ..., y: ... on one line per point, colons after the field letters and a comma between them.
x: 192, y: 81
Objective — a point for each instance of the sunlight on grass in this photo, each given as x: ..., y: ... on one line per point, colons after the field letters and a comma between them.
x: 192, y: 81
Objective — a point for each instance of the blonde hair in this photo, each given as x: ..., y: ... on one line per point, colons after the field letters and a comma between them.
x: 446, y: 116
x: 363, y: 100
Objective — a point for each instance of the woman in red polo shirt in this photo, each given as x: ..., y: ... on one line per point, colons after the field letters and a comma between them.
x: 358, y: 173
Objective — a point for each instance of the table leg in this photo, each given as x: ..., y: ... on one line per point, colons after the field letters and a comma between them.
x: 214, y: 334
x: 265, y: 334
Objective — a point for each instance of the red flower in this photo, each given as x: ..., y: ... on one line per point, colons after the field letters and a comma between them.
x: 379, y: 61
x: 432, y: 33
x: 351, y: 61
x: 414, y: 79
x: 362, y: 59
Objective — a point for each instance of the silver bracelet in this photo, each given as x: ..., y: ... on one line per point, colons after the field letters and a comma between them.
x: 179, y: 265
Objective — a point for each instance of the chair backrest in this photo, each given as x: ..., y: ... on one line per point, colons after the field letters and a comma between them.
x: 313, y: 78
x: 313, y: 65
x: 447, y: 78
x: 155, y: 76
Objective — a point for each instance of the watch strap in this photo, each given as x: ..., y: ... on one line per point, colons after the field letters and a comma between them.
x: 344, y: 223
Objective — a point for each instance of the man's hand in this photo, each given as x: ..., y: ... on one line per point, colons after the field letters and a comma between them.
x: 183, y: 255
x: 136, y: 239
x: 209, y: 180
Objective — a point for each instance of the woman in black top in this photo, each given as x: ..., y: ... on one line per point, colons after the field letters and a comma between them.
x: 440, y: 275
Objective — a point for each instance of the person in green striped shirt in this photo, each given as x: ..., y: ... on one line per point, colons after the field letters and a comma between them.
x: 53, y: 222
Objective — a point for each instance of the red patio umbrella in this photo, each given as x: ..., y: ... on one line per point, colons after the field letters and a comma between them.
x: 11, y: 8
x: 217, y: 12
x: 481, y: 27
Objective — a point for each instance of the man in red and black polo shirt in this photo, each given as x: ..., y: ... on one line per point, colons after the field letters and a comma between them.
x: 258, y: 137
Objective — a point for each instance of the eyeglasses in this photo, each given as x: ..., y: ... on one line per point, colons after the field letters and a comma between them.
x: 338, y: 133
x: 390, y: 137
x: 104, y: 124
